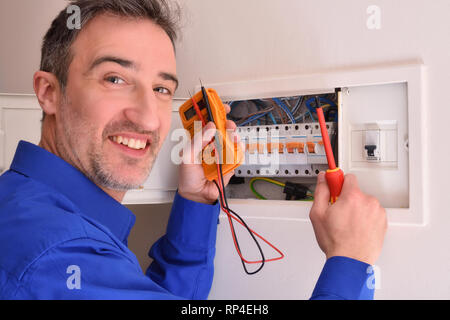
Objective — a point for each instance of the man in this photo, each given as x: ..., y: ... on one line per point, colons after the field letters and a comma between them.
x: 106, y: 92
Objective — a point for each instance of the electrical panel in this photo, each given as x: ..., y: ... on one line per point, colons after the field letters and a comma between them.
x: 283, y: 145
x: 377, y: 130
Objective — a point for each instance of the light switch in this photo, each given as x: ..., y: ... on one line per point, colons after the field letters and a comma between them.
x: 372, y: 145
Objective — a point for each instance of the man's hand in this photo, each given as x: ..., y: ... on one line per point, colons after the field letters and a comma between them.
x: 192, y: 183
x: 354, y: 226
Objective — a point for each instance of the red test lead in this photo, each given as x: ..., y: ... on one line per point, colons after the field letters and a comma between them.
x: 231, y: 215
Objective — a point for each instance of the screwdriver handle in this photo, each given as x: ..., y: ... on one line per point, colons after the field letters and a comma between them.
x: 335, y: 180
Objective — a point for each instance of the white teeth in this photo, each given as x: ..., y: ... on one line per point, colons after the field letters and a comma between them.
x: 131, y: 143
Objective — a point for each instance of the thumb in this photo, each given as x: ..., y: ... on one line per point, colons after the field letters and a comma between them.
x: 203, y: 138
x: 321, y: 195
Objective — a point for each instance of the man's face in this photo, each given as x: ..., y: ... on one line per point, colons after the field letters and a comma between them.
x: 117, y: 106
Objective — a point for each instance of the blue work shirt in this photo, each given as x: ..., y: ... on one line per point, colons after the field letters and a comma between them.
x: 62, y: 237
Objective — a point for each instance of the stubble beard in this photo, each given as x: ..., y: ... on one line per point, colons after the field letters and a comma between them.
x: 97, y: 167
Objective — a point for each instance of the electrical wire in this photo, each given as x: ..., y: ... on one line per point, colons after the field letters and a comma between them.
x: 301, y: 109
x: 225, y: 208
x: 253, y: 118
x: 285, y: 109
x: 252, y: 188
x: 272, y: 118
x: 236, y: 217
x: 233, y: 215
x: 280, y: 114
x: 297, y: 105
x: 275, y: 182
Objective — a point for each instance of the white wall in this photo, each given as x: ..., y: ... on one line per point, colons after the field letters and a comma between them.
x: 235, y: 40
x: 23, y: 24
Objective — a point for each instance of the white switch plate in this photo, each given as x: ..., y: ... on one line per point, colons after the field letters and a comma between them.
x: 383, y: 134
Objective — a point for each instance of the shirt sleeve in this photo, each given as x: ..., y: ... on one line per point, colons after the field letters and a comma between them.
x: 183, y: 259
x: 87, y: 268
x: 343, y: 278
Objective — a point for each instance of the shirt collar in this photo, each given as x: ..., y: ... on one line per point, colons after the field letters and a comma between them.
x: 45, y: 167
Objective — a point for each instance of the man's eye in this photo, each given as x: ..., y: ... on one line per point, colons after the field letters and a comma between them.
x: 163, y: 90
x: 115, y: 80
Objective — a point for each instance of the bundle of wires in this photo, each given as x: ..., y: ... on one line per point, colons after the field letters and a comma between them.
x: 255, y: 116
x: 285, y: 109
x: 328, y: 104
x: 280, y: 111
x: 232, y: 215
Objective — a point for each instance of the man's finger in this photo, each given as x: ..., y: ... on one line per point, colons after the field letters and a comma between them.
x: 321, y: 195
x: 227, y: 177
x: 230, y: 125
x: 227, y: 108
x: 350, y: 183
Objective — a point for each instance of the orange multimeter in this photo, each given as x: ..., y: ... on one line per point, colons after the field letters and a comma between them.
x: 230, y: 153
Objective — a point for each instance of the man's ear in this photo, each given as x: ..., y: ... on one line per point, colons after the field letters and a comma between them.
x: 48, y: 91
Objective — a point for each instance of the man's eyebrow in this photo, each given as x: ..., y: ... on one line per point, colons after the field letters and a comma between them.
x: 171, y: 77
x: 123, y: 62
x: 131, y: 65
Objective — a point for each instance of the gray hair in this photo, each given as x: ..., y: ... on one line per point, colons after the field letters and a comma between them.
x: 56, y: 55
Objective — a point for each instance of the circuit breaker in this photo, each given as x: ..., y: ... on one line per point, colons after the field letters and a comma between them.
x: 283, y: 145
x: 287, y: 150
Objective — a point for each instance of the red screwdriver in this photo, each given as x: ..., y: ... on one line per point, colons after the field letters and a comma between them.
x: 334, y: 175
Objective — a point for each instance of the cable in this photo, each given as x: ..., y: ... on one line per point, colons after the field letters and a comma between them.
x: 279, y: 113
x: 242, y: 222
x: 233, y: 215
x: 312, y: 109
x: 285, y: 109
x: 197, y: 110
x: 297, y: 105
x: 278, y: 183
x: 253, y: 118
x: 252, y: 188
x: 227, y: 210
x: 272, y: 118
x: 308, y: 194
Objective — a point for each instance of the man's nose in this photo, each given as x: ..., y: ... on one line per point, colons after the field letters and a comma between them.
x: 144, y: 111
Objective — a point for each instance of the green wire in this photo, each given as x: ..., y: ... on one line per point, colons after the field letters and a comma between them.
x: 259, y: 196
x: 255, y: 192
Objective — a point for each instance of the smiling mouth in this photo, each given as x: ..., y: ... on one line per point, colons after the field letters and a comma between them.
x: 135, y: 144
x: 132, y: 147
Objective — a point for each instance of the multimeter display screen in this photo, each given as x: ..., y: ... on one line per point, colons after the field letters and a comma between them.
x: 190, y: 113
